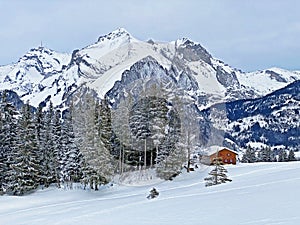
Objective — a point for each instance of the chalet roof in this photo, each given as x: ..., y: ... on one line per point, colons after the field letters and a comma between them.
x: 215, y: 148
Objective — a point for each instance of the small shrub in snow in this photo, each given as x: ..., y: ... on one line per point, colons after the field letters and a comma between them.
x: 217, y: 175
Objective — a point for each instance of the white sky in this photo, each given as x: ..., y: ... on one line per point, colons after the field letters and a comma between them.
x: 248, y: 34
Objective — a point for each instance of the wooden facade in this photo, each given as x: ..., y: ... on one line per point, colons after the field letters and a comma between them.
x: 228, y: 156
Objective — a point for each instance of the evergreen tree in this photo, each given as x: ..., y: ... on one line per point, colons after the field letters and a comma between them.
x: 24, y: 176
x: 105, y: 125
x: 70, y: 155
x: 97, y: 158
x: 139, y: 122
x: 282, y: 156
x: 273, y: 156
x: 160, y: 129
x: 40, y: 130
x: 48, y: 153
x: 291, y: 156
x: 150, y: 122
x: 56, y: 139
x: 171, y: 165
x: 258, y: 158
x: 266, y: 154
x: 104, y: 162
x: 8, y: 138
x: 217, y: 175
x: 121, y: 128
x: 249, y: 155
x: 39, y: 125
x: 170, y: 162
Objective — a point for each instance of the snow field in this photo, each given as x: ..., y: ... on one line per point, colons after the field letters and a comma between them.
x: 260, y: 194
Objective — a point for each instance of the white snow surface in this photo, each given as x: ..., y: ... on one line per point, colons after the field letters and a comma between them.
x: 260, y: 194
x: 262, y: 83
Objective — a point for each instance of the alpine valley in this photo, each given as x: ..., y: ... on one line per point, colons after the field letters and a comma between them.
x: 235, y: 108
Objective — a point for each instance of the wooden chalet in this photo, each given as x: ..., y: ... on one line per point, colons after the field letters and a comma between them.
x: 227, y: 155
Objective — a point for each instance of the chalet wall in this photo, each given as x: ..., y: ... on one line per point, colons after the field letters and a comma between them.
x: 228, y: 157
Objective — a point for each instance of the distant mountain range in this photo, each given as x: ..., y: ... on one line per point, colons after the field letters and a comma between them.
x: 256, y: 107
x: 269, y: 120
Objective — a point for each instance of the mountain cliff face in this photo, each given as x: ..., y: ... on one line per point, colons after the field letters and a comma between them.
x: 114, y: 65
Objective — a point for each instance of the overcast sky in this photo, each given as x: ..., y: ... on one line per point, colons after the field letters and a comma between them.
x: 246, y: 34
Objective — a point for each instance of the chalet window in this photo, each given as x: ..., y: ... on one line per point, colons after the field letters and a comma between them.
x: 228, y: 154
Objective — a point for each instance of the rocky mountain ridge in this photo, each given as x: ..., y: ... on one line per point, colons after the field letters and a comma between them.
x: 43, y: 73
x: 117, y: 63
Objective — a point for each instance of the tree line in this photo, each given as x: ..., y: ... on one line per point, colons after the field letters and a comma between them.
x: 82, y: 143
x: 40, y: 147
x: 266, y: 154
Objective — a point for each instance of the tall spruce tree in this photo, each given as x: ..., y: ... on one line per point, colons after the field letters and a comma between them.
x: 8, y: 138
x: 47, y: 149
x: 56, y: 139
x: 266, y: 154
x: 139, y: 123
x: 3, y: 161
x: 282, y: 156
x: 25, y: 173
x: 70, y: 155
x: 105, y: 162
x: 105, y: 125
x: 121, y: 128
x: 158, y: 125
x: 172, y: 164
x: 40, y: 127
x: 291, y: 156
x: 96, y: 158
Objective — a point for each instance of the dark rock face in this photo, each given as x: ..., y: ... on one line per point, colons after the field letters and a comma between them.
x: 187, y: 82
x: 194, y: 52
x: 276, y: 76
x: 225, y: 78
x: 148, y: 73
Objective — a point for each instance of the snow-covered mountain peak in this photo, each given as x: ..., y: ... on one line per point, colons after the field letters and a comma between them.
x: 185, y: 41
x: 38, y: 51
x: 116, y: 34
x: 94, y: 54
x: 44, y: 60
x: 110, y: 42
x: 42, y: 72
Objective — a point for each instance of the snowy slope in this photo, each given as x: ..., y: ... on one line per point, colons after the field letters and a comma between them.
x: 267, y: 81
x: 260, y: 194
